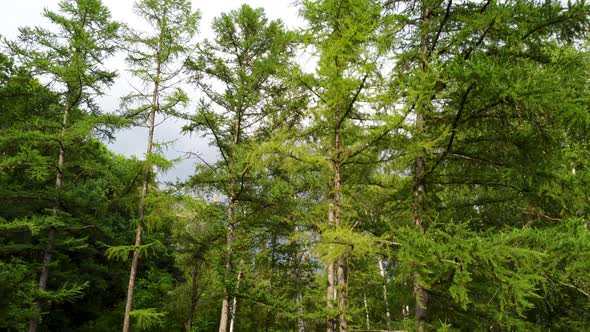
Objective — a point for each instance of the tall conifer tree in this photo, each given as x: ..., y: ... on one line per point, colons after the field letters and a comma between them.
x: 346, y: 36
x: 71, y: 56
x: 156, y: 58
x: 238, y: 73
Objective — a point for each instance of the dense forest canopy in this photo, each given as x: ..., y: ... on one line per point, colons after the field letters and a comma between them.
x: 429, y: 171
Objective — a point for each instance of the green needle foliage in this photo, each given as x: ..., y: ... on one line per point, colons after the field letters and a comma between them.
x: 70, y: 57
x: 156, y: 59
x: 239, y: 72
x: 390, y: 166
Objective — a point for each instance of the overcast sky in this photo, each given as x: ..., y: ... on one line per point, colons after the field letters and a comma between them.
x: 19, y: 13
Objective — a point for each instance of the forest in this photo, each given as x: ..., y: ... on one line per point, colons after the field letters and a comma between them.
x: 429, y: 170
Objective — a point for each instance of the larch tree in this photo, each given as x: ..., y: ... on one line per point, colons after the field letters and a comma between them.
x: 156, y: 58
x: 71, y: 57
x: 347, y: 37
x: 474, y: 78
x: 238, y: 72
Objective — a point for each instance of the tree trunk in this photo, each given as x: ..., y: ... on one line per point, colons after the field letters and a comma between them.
x: 340, y: 262
x: 34, y: 322
x: 385, y: 299
x: 300, y: 322
x: 189, y: 322
x: 225, y: 310
x: 367, y: 317
x: 47, y: 255
x: 234, y: 305
x: 342, y: 290
x: 420, y: 293
x: 147, y: 172
x: 224, y: 314
x: 331, y: 290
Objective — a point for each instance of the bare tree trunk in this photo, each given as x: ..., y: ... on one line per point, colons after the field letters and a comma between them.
x: 341, y: 262
x: 194, y: 296
x: 225, y: 310
x: 234, y: 305
x: 300, y: 322
x: 342, y: 290
x: 331, y: 290
x: 147, y: 172
x: 367, y: 318
x: 47, y: 255
x: 385, y: 299
x: 224, y: 314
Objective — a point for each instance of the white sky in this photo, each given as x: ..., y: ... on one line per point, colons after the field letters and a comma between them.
x: 15, y: 14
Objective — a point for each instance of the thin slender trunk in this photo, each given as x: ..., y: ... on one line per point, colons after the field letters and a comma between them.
x: 341, y: 261
x: 147, y: 172
x: 189, y: 322
x: 47, y: 255
x: 233, y: 314
x: 342, y: 290
x: 300, y: 322
x: 331, y: 290
x: 420, y: 293
x: 225, y: 310
x: 367, y: 318
x: 385, y: 299
x: 225, y: 305
x: 405, y: 307
x: 273, y: 261
x: 234, y: 305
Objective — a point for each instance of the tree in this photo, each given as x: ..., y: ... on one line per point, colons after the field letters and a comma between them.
x: 156, y: 59
x: 238, y: 74
x: 97, y: 196
x: 71, y: 57
x: 198, y: 234
x: 436, y: 157
x: 475, y: 78
x: 346, y: 36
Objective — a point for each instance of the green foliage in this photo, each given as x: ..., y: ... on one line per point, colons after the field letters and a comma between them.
x: 493, y: 96
x: 147, y: 318
x: 122, y: 252
x: 18, y: 286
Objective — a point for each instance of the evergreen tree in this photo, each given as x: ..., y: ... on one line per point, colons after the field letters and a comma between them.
x: 431, y: 169
x: 97, y: 196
